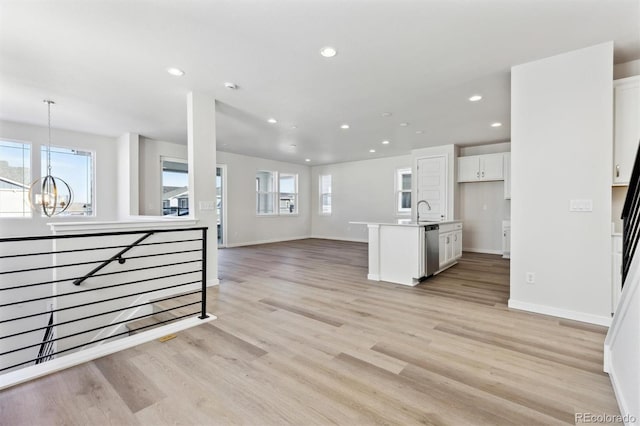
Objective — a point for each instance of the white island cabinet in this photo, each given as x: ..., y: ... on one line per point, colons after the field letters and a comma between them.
x: 397, y: 252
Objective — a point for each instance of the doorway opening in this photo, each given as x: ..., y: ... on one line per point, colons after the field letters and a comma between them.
x: 221, y: 203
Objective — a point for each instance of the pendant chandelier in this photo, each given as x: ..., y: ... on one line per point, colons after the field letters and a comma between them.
x: 50, y: 194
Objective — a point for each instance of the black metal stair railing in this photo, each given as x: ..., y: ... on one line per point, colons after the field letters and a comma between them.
x: 631, y: 218
x: 167, y: 267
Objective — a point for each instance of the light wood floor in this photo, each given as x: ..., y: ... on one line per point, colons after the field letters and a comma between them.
x: 303, y: 338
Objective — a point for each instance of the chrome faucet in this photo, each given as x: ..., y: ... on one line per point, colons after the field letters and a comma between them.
x: 418, y: 209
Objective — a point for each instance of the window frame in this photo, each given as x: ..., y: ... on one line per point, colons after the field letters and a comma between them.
x: 276, y: 194
x: 29, y: 212
x: 399, y: 190
x: 321, y: 194
x: 164, y: 158
x: 93, y: 174
x: 273, y: 192
x: 296, y: 194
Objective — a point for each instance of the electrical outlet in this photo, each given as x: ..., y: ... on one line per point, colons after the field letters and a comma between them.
x: 530, y: 277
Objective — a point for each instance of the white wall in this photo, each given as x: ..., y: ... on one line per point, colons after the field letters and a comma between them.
x: 243, y: 225
x: 561, y: 128
x: 105, y: 151
x: 626, y: 69
x: 361, y: 191
x: 483, y: 207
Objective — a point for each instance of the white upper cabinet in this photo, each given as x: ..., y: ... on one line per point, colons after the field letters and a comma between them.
x: 477, y: 168
x: 626, y: 127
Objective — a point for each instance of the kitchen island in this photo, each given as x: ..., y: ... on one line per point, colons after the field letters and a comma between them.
x: 398, y: 253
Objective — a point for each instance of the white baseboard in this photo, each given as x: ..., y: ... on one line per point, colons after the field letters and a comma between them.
x: 373, y: 277
x: 561, y: 313
x: 353, y: 240
x: 33, y: 372
x: 269, y: 241
x: 481, y: 250
x: 622, y: 402
x: 214, y: 282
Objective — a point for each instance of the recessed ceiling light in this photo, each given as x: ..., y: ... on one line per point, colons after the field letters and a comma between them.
x: 386, y: 114
x: 231, y: 86
x: 293, y: 145
x: 307, y: 159
x: 344, y: 126
x: 404, y: 124
x: 272, y: 120
x: 294, y: 127
x: 475, y: 98
x: 419, y: 132
x: 372, y: 150
x: 328, y: 52
x: 177, y: 72
x: 385, y: 142
x: 496, y: 124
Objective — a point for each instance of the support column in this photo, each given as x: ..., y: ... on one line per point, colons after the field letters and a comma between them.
x: 201, y: 154
x: 128, y: 175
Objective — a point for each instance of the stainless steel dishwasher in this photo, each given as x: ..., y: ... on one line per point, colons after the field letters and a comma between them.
x: 432, y: 249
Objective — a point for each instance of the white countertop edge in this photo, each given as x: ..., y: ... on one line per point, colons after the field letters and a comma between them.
x: 405, y: 224
x: 119, y: 225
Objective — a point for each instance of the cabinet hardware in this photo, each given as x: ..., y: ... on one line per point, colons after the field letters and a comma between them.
x: 482, y: 174
x: 617, y: 170
x: 478, y: 175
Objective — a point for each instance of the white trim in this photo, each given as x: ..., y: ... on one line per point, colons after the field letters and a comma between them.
x: 373, y: 277
x: 328, y: 237
x: 268, y: 241
x: 214, y: 282
x: 35, y: 371
x: 561, y: 313
x: 141, y: 222
x: 223, y: 213
x: 481, y: 250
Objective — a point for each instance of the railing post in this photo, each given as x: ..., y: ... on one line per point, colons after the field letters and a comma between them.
x: 203, y: 313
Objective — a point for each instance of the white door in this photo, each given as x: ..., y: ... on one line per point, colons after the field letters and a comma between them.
x: 432, y: 188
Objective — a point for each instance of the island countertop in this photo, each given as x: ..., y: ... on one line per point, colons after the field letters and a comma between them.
x: 414, y: 224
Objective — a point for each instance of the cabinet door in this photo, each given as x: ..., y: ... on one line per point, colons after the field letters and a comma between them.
x: 507, y: 176
x: 457, y: 244
x: 491, y: 167
x: 469, y: 168
x: 442, y: 247
x: 626, y: 128
x: 506, y: 242
x: 449, y: 241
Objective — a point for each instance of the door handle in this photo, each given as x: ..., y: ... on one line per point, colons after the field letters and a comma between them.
x: 617, y: 170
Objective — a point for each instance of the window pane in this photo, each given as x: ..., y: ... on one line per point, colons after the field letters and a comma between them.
x: 406, y: 181
x: 265, y: 192
x: 405, y: 200
x: 175, y: 188
x: 76, y: 168
x: 325, y: 194
x: 15, y: 177
x: 288, y: 194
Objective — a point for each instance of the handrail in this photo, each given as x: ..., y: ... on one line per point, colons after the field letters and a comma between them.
x: 96, y: 313
x: 117, y: 256
x: 631, y: 218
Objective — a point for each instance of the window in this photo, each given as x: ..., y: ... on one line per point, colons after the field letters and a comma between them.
x: 76, y: 168
x: 15, y: 177
x: 175, y: 187
x: 276, y: 189
x: 403, y: 191
x: 325, y: 194
x: 288, y: 194
x: 265, y: 192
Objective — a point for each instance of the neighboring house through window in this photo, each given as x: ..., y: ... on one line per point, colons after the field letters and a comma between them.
x: 403, y: 191
x: 276, y: 189
x: 325, y: 194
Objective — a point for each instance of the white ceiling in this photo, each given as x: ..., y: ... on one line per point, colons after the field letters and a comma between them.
x: 104, y: 63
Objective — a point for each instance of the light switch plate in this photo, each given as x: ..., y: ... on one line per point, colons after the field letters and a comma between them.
x: 581, y: 205
x: 207, y: 205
